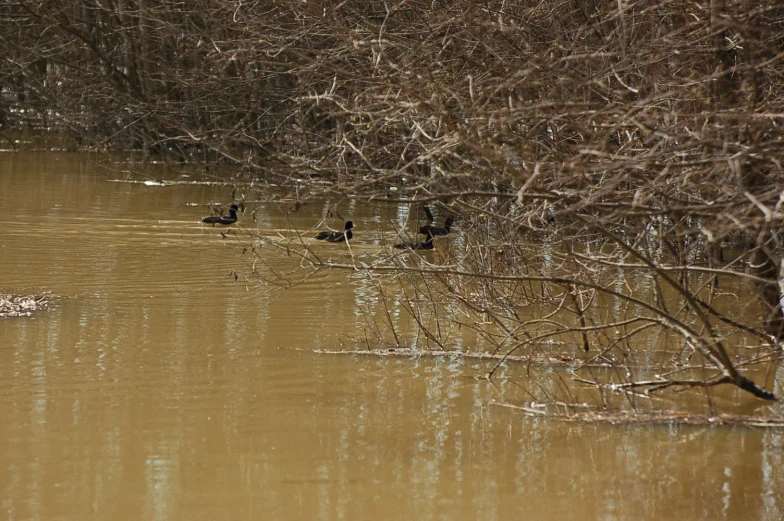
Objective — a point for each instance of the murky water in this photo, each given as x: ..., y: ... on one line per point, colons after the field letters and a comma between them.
x: 165, y: 384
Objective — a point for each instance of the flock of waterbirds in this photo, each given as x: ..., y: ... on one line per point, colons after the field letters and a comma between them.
x: 430, y: 231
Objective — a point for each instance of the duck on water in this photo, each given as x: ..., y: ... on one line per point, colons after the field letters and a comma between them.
x: 332, y: 236
x: 431, y: 229
x: 424, y: 245
x: 223, y: 219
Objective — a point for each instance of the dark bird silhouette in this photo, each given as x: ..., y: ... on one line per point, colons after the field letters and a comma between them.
x: 223, y: 219
x: 345, y: 235
x: 424, y: 245
x: 429, y: 229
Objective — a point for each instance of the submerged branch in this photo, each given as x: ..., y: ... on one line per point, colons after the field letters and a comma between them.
x: 651, y: 418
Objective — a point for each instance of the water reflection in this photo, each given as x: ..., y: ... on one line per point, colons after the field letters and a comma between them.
x: 159, y: 387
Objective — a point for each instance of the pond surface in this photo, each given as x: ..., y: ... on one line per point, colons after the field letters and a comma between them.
x: 163, y: 383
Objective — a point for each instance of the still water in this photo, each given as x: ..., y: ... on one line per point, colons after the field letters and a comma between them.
x: 164, y: 383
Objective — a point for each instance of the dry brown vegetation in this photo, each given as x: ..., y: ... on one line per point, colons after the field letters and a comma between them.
x: 615, y: 167
x: 22, y: 305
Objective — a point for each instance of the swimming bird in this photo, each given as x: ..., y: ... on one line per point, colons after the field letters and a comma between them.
x: 345, y: 235
x: 223, y: 219
x: 437, y: 230
x: 424, y: 245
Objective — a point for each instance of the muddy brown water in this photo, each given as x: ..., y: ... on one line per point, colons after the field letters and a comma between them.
x: 159, y: 387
